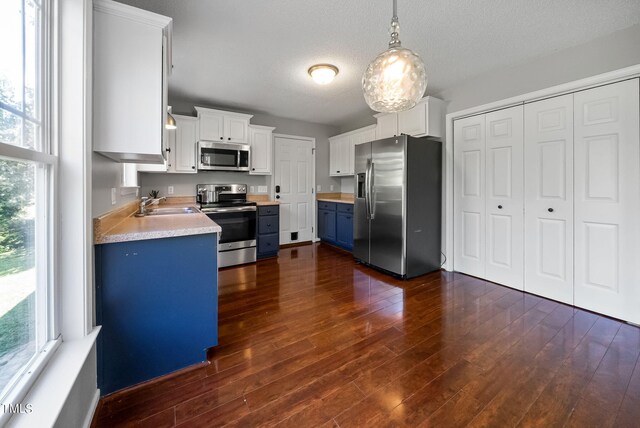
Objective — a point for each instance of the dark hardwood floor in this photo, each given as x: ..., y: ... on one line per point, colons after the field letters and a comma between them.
x: 314, y: 339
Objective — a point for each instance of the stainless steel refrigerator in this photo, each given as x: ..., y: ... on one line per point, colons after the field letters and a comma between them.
x: 398, y: 205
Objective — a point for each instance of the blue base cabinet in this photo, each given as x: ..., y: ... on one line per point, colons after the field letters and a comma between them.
x: 268, y: 231
x: 335, y: 224
x: 157, y: 303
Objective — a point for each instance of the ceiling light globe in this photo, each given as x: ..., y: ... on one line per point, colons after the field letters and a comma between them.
x: 395, y: 81
x: 323, y: 74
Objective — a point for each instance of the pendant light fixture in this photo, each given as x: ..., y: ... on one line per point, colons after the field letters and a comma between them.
x: 396, y: 79
x: 171, y: 121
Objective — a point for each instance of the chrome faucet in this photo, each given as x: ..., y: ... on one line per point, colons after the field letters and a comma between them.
x: 145, y: 201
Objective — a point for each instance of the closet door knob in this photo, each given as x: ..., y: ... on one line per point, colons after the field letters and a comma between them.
x: 550, y: 210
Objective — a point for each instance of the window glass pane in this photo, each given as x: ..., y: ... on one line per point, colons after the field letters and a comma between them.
x: 32, y: 60
x: 10, y: 128
x: 11, y: 53
x: 17, y: 268
x: 31, y: 136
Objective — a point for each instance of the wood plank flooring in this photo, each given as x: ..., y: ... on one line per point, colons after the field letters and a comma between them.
x: 314, y: 339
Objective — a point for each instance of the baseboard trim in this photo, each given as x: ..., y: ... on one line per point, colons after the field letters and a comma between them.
x: 92, y: 409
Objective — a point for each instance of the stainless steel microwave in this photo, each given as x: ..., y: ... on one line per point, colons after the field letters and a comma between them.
x: 223, y: 156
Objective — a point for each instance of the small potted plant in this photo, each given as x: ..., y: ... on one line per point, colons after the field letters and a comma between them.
x: 154, y: 194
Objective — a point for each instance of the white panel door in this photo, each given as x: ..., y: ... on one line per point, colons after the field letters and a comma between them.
x: 607, y: 200
x: 548, y: 223
x: 294, y: 176
x: 469, y: 199
x: 504, y: 199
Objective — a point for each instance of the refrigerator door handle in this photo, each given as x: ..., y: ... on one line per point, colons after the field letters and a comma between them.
x: 366, y: 190
x: 372, y: 196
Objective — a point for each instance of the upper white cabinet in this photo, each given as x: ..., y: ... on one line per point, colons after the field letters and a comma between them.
x: 219, y: 125
x: 181, y: 148
x: 261, y: 141
x: 342, y: 150
x: 425, y: 119
x: 131, y: 64
x: 184, y: 150
x: 387, y: 125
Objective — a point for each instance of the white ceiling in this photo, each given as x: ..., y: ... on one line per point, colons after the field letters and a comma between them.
x: 254, y: 54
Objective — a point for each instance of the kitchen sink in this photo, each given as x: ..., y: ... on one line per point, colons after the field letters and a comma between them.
x: 171, y: 211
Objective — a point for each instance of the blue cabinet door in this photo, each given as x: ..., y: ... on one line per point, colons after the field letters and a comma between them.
x: 344, y: 232
x: 327, y: 225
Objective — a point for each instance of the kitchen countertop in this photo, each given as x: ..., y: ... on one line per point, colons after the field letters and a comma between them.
x: 340, y: 198
x: 132, y: 228
x: 263, y: 203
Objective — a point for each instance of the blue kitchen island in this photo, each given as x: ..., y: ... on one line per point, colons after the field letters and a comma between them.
x: 157, y: 303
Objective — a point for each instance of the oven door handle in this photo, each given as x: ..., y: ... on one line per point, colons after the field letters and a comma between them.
x: 227, y: 210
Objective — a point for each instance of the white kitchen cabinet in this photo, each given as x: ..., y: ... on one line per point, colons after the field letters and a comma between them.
x: 261, y: 141
x: 342, y: 150
x: 181, y: 148
x: 219, y: 125
x: 184, y: 148
x: 129, y: 103
x: 425, y: 119
x: 387, y: 125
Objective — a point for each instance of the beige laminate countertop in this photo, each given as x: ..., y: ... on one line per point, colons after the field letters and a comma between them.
x: 265, y: 203
x: 134, y: 228
x: 338, y: 200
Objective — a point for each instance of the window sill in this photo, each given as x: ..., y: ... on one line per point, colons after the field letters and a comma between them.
x: 49, y: 392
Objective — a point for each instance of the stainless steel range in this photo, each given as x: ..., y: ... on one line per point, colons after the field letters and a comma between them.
x: 227, y: 205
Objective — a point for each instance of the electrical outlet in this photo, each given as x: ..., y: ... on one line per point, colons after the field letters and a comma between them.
x: 252, y: 189
x: 331, y: 187
x: 262, y: 189
x: 113, y: 196
x: 170, y: 190
x: 318, y: 188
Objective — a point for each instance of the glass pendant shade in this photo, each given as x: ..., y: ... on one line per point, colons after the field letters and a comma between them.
x: 396, y: 79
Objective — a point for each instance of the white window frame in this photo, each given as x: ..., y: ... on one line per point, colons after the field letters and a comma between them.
x: 47, y: 332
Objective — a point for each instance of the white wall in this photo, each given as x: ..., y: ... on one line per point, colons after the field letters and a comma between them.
x: 105, y: 175
x: 618, y: 50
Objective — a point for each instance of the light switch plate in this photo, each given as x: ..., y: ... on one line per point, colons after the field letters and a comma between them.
x: 331, y: 187
x: 170, y: 190
x: 318, y: 188
x: 262, y: 189
x: 252, y: 189
x: 113, y: 196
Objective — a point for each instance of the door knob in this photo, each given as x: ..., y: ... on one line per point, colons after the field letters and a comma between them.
x: 277, y: 196
x: 499, y: 207
x: 550, y: 210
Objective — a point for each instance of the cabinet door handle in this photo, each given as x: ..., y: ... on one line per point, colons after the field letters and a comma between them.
x: 550, y: 210
x: 222, y: 138
x: 253, y: 169
x: 499, y: 207
x: 193, y: 167
x: 268, y: 224
x: 168, y: 149
x: 229, y: 139
x: 337, y: 172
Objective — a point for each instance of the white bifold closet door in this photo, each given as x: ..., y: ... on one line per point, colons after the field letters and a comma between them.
x: 548, y: 220
x: 489, y: 196
x: 469, y: 199
x: 504, y: 204
x: 607, y: 200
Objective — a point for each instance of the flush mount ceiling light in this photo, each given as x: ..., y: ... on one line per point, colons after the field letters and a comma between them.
x: 171, y: 121
x: 396, y: 79
x: 323, y: 74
